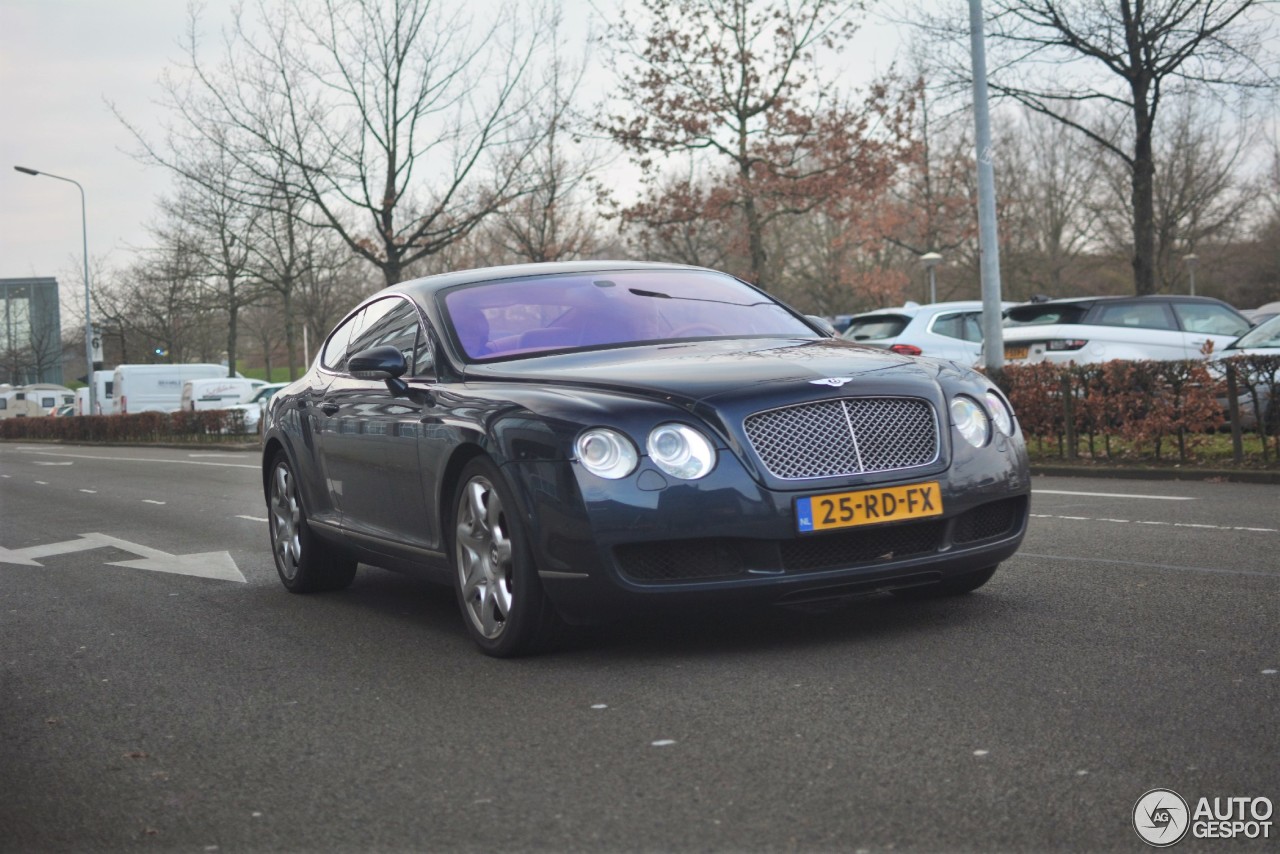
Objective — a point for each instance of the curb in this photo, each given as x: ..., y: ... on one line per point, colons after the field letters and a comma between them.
x: 1192, y: 474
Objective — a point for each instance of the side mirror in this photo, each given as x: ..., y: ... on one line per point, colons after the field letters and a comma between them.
x: 384, y: 363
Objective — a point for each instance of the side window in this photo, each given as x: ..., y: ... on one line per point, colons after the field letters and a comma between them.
x: 373, y: 326
x: 950, y: 325
x: 1145, y: 315
x: 335, y: 350
x: 1209, y: 318
x: 391, y: 322
x: 973, y: 327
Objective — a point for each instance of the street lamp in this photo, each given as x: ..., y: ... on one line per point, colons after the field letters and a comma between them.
x: 88, y: 325
x: 1190, y: 261
x: 931, y: 260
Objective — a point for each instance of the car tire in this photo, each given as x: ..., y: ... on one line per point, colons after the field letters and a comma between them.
x: 956, y: 585
x: 499, y: 593
x: 304, y: 562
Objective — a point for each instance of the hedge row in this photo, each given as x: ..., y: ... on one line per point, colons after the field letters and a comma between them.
x: 208, y: 425
x: 1151, y: 405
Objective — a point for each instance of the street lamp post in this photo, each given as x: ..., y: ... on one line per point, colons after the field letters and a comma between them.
x: 88, y: 324
x: 930, y: 261
x: 1190, y: 261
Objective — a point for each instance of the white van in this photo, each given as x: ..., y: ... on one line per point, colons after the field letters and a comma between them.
x: 156, y: 388
x: 104, y: 383
x: 221, y: 393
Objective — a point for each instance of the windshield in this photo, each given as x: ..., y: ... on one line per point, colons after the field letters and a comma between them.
x: 1045, y: 313
x: 1264, y: 335
x: 497, y: 320
x: 876, y: 327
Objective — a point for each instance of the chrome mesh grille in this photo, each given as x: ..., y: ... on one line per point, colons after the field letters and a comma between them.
x: 851, y: 435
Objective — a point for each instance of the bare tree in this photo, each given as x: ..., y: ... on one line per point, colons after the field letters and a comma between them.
x: 554, y: 222
x: 735, y: 78
x: 1049, y: 189
x: 1200, y: 195
x: 221, y: 223
x: 1122, y: 58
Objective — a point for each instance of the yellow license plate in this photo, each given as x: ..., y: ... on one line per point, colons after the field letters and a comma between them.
x: 868, y: 506
x: 1016, y: 352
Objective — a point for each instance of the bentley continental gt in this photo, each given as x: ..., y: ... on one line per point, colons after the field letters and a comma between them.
x: 568, y: 443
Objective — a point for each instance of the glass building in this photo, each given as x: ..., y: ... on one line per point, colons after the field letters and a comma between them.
x: 30, y: 331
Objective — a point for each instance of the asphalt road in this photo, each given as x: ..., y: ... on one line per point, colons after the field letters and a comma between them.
x: 1132, y: 644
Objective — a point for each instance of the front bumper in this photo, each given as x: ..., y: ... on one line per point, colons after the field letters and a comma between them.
x: 610, y: 548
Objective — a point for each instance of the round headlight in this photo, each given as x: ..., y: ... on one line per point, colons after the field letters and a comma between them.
x: 681, y: 451
x: 606, y: 453
x: 1000, y: 413
x: 969, y: 418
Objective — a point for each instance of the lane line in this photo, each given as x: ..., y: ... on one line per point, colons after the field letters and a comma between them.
x: 1205, y: 569
x: 140, y: 460
x: 1035, y: 491
x: 1160, y: 524
x: 151, y: 501
x: 253, y: 518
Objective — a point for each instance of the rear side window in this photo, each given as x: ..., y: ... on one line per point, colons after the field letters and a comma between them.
x: 1135, y: 315
x: 877, y: 328
x: 1045, y: 313
x: 964, y: 326
x: 1209, y: 318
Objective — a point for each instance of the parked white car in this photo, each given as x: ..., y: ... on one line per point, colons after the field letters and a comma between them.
x: 256, y: 407
x: 944, y: 330
x: 1099, y: 329
x: 1262, y: 340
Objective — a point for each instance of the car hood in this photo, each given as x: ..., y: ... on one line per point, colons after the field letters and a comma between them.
x: 697, y: 371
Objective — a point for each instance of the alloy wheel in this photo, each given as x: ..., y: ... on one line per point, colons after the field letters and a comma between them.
x: 286, y: 518
x: 484, y: 555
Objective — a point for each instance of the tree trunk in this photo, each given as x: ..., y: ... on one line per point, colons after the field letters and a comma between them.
x: 233, y: 316
x: 1143, y: 195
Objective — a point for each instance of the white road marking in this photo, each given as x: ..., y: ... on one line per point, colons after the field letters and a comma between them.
x: 254, y: 518
x: 90, y: 491
x: 1162, y: 524
x: 1206, y: 569
x: 43, y: 482
x: 1111, y: 495
x: 46, y: 463
x: 217, y: 565
x: 151, y: 501
x: 138, y: 459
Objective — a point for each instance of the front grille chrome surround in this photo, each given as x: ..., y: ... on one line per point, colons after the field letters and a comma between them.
x: 844, y: 436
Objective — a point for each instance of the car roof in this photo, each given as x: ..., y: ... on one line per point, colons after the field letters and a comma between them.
x: 430, y: 284
x: 913, y: 309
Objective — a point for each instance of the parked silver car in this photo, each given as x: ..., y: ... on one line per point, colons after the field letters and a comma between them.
x: 1099, y: 329
x: 944, y: 330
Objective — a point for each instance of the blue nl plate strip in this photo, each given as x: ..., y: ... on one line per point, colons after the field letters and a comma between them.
x: 804, y: 514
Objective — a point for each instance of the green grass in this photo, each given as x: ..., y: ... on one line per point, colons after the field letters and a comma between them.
x: 1204, y: 450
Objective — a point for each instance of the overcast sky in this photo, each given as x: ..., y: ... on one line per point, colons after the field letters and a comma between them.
x: 61, y: 61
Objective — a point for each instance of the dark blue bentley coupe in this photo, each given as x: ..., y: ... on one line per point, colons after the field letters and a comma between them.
x: 565, y: 443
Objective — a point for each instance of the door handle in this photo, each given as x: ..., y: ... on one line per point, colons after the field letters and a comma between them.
x: 329, y: 408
